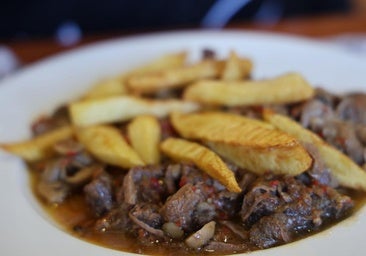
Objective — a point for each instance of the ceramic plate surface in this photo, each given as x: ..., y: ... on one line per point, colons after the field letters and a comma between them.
x: 40, y: 88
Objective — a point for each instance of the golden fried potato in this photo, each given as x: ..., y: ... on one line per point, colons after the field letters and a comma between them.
x: 106, y: 88
x: 117, y: 85
x: 122, y: 108
x: 212, y: 118
x: 144, y: 134
x: 287, y: 88
x: 166, y: 62
x: 107, y: 144
x: 205, y: 159
x: 39, y: 147
x: 346, y: 171
x: 173, y: 78
x: 236, y: 68
x: 245, y: 142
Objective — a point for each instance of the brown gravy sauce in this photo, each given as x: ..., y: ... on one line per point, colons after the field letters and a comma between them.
x: 74, y: 212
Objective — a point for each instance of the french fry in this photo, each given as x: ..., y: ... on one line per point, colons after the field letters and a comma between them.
x: 39, y: 147
x: 117, y: 85
x: 173, y: 78
x: 122, y: 108
x: 347, y: 172
x: 166, y: 62
x: 287, y: 88
x: 107, y: 144
x: 245, y: 142
x: 213, y: 118
x: 205, y: 159
x: 236, y: 68
x: 106, y: 88
x: 144, y: 134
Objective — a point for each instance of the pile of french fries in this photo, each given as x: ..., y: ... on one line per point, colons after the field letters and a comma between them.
x: 206, y: 135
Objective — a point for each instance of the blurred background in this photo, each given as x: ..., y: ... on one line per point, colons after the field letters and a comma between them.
x: 40, y: 18
x: 33, y: 29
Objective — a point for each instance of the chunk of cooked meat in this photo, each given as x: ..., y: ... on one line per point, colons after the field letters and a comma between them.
x: 299, y: 209
x: 62, y: 175
x: 352, y: 108
x: 315, y: 110
x: 116, y: 219
x: 148, y: 213
x: 342, y: 135
x: 179, y: 208
x: 99, y: 194
x: 143, y: 184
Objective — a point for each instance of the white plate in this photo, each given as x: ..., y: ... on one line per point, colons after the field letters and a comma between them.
x: 25, y: 229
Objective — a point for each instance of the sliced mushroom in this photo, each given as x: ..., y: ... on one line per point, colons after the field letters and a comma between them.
x: 172, y: 230
x: 202, y: 236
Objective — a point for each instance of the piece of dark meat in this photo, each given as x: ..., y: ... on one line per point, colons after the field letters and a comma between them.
x: 315, y: 111
x: 305, y: 209
x: 172, y: 176
x: 143, y: 184
x: 179, y: 208
x: 190, y: 174
x: 353, y: 108
x: 167, y: 129
x: 99, y: 194
x: 262, y: 199
x: 116, y: 219
x: 223, y: 204
x: 64, y: 174
x: 147, y: 217
x: 227, y: 204
x: 326, y: 97
x: 246, y: 179
x: 208, y: 54
x: 342, y: 135
x: 148, y: 213
x: 204, y: 213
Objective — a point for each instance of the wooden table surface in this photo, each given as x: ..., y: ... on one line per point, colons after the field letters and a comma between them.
x: 29, y: 51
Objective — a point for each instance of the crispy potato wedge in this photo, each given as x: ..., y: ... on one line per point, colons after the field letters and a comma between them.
x: 213, y: 118
x: 39, y: 147
x: 166, y: 62
x: 122, y: 108
x: 107, y: 144
x: 287, y: 88
x: 236, y: 68
x: 205, y: 159
x: 106, y: 88
x: 117, y: 85
x: 173, y: 78
x: 144, y: 134
x: 347, y: 172
x: 245, y: 142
